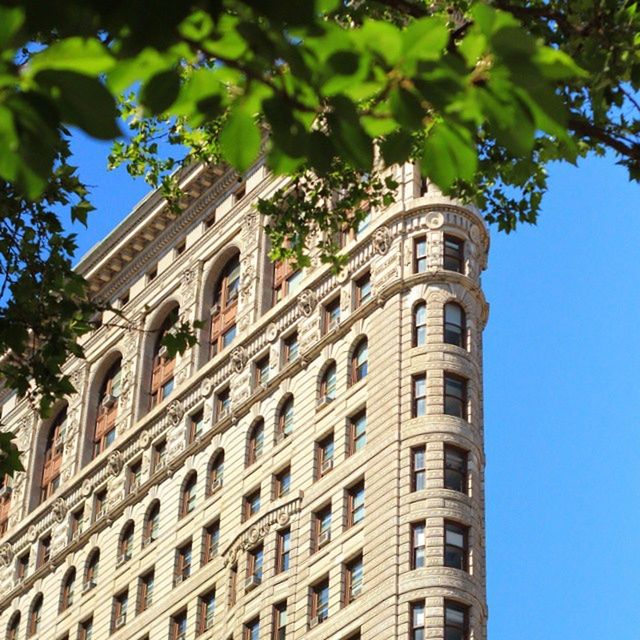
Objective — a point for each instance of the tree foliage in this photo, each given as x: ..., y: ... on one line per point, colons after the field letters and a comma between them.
x: 483, y: 95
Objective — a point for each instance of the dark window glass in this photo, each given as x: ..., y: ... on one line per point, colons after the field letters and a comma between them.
x: 455, y: 469
x: 454, y: 325
x: 455, y: 396
x: 418, y: 469
x: 456, y: 621
x: 453, y: 254
x: 419, y: 407
x: 420, y: 261
x: 456, y: 550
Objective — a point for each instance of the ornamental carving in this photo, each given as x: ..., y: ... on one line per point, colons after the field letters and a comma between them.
x: 87, y: 487
x: 6, y: 554
x: 382, y: 240
x: 283, y: 518
x: 474, y: 233
x: 435, y: 220
x: 206, y: 387
x: 307, y: 301
x: 250, y: 220
x: 144, y: 439
x: 175, y: 411
x: 271, y: 331
x: 114, y: 463
x: 238, y: 359
x: 59, y: 510
x: 32, y: 533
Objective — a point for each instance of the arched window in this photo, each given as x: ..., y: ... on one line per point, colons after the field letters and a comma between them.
x: 225, y: 306
x: 256, y: 442
x: 328, y: 384
x: 125, y: 543
x: 50, y: 480
x: 13, y: 627
x: 108, y: 399
x: 162, y: 366
x: 420, y: 325
x: 68, y: 585
x: 91, y: 570
x: 285, y: 420
x: 151, y: 526
x: 216, y: 473
x: 35, y: 614
x: 454, y: 325
x: 360, y: 361
x: 188, y: 495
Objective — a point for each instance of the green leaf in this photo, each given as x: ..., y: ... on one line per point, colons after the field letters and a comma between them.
x: 406, y: 108
x: 557, y: 65
x: 396, y: 147
x: 351, y: 139
x: 240, y: 138
x: 425, y: 38
x: 449, y: 154
x: 82, y: 55
x: 9, y: 142
x: 161, y: 91
x: 381, y: 37
x: 227, y: 43
x: 137, y: 69
x: 10, y: 21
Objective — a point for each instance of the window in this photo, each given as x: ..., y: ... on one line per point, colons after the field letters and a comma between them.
x: 206, y: 611
x: 319, y: 602
x: 178, y: 626
x: 124, y: 299
x: 183, y: 563
x: 262, y: 370
x: 225, y: 307
x: 23, y: 566
x: 162, y: 365
x: 360, y: 361
x: 285, y: 420
x: 180, y: 248
x: 418, y: 469
x: 216, y: 473
x: 5, y: 502
x: 108, y: 400
x: 240, y: 193
x: 151, y: 524
x: 188, y: 495
x: 251, y: 630
x: 418, y: 545
x: 152, y: 274
x: 419, y: 396
x: 119, y: 612
x: 256, y: 442
x: 355, y: 504
x: 77, y: 522
x: 233, y: 584
x: 251, y: 504
x: 50, y: 479
x: 357, y: 432
x: 453, y: 254
x: 85, y: 629
x: 158, y: 456
x: 328, y: 384
x: 223, y: 403
x: 286, y: 279
x: 210, y: 220
x: 456, y: 469
x: 99, y: 504
x: 125, y: 544
x: 210, y: 541
x: 145, y: 590
x: 283, y: 550
x: 455, y: 325
x: 331, y: 316
x: 455, y: 396
x: 417, y: 627
x: 196, y: 425
x: 353, y: 576
x: 420, y: 325
x: 35, y: 615
x: 321, y: 527
x: 134, y: 477
x: 324, y: 455
x: 456, y: 621
x: 66, y: 593
x: 91, y: 570
x: 282, y: 483
x: 255, y: 559
x: 13, y: 626
x: 279, y: 631
x: 456, y: 546
x: 420, y: 255
x: 363, y: 290
x: 290, y: 344
x: 44, y: 551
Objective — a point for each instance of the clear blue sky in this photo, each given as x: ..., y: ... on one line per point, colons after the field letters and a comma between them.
x: 562, y: 407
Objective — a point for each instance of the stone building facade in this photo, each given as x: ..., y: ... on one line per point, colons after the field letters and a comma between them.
x: 313, y: 468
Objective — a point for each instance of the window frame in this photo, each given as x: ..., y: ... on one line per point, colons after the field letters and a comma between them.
x: 453, y: 257
x: 463, y: 470
x: 363, y: 283
x: 462, y: 400
x: 352, y: 506
x: 283, y: 550
x: 224, y: 306
x: 417, y: 559
x: 419, y: 328
x: 450, y: 328
x: 420, y: 256
x: 456, y: 556
x: 356, y: 441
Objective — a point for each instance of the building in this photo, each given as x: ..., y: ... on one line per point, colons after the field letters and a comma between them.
x: 312, y: 469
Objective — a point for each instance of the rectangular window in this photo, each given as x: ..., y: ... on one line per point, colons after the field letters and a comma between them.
x: 206, y: 611
x: 456, y: 546
x: 251, y: 504
x: 420, y: 255
x: 455, y: 395
x: 286, y: 279
x: 99, y: 504
x: 331, y: 316
x: 180, y: 248
x: 319, y: 602
x: 283, y: 550
x: 233, y: 584
x: 419, y: 396
x: 456, y: 621
x: 321, y: 527
x: 363, y: 290
x: 453, y: 254
x: 355, y: 504
x: 152, y: 274
x: 85, y: 629
x: 178, y: 626
x: 145, y: 590
x: 357, y: 436
x: 418, y: 469
x: 44, y: 551
x: 23, y: 566
x: 223, y: 403
x: 418, y: 544
x: 211, y: 220
x: 134, y: 476
x: 255, y: 558
x: 417, y: 627
x: 324, y: 455
x: 456, y: 469
x: 210, y: 541
x: 279, y: 621
x: 290, y: 348
x: 120, y: 606
x: 158, y: 455
x: 196, y: 425
x: 262, y: 371
x: 353, y: 576
x: 77, y: 522
x: 282, y: 483
x: 183, y: 563
x: 251, y: 630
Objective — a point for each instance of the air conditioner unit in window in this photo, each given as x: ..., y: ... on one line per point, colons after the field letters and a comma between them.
x: 213, y: 552
x: 281, y: 436
x: 177, y: 579
x: 108, y: 401
x: 216, y: 485
x: 160, y: 464
x: 333, y: 325
x: 163, y: 351
x: 215, y: 309
x: 122, y: 558
x: 58, y: 444
x: 356, y: 590
x: 76, y: 534
x: 101, y: 513
x: 88, y: 585
x: 252, y: 582
x: 120, y: 621
x: 327, y: 465
x: 324, y: 538
x: 147, y: 540
x: 315, y: 621
x: 5, y: 491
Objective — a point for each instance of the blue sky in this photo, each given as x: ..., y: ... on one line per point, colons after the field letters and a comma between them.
x: 562, y: 350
